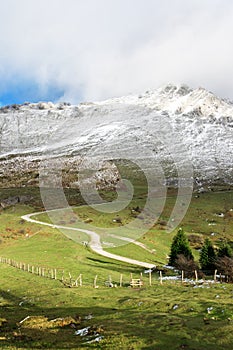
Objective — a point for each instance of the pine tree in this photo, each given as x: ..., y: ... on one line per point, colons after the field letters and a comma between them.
x: 180, y: 245
x: 225, y: 250
x: 207, y: 256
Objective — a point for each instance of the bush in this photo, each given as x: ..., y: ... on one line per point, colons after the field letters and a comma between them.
x: 225, y: 250
x: 186, y: 265
x: 225, y: 266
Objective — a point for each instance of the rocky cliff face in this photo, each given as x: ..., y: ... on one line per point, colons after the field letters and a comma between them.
x: 173, y: 131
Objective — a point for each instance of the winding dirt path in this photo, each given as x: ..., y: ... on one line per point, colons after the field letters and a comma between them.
x: 94, y: 243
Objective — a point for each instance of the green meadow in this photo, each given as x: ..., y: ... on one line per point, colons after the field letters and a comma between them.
x: 168, y: 316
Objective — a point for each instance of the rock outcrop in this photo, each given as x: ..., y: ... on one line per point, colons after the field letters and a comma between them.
x: 164, y: 127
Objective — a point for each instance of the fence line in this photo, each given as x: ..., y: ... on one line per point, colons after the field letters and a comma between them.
x: 42, y: 271
x: 70, y: 281
x: 37, y: 270
x: 59, y: 274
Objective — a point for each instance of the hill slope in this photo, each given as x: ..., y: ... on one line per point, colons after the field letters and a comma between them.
x: 173, y: 127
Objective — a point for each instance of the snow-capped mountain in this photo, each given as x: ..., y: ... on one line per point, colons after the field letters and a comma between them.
x: 170, y: 131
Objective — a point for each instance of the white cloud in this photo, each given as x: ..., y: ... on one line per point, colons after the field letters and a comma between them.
x: 104, y: 48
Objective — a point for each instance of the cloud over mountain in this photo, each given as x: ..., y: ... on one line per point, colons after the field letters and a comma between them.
x: 90, y: 50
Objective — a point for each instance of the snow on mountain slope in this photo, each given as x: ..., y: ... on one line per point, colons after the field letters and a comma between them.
x: 179, y: 99
x: 160, y: 128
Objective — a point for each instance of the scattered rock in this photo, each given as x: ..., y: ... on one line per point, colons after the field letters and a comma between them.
x: 117, y: 220
x: 91, y: 334
x: 10, y: 201
x: 45, y: 105
x: 88, y: 221
x: 88, y: 317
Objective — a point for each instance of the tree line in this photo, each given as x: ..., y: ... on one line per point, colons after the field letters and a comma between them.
x: 211, y: 259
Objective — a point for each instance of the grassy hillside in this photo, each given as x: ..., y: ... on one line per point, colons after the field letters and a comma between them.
x: 168, y: 316
x: 209, y: 215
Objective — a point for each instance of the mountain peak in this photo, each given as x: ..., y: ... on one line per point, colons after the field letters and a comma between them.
x: 177, y: 89
x: 201, y: 120
x: 181, y: 99
x: 178, y: 99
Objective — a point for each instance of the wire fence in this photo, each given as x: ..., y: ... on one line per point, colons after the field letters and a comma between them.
x: 70, y: 280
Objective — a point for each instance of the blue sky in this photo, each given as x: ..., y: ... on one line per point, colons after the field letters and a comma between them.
x: 23, y: 91
x: 76, y: 50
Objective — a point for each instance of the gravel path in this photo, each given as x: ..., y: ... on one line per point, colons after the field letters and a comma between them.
x: 94, y: 243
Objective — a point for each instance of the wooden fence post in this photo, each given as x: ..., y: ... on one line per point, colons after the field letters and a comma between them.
x: 215, y: 275
x: 121, y: 279
x: 182, y: 276
x: 110, y: 280
x: 150, y: 282
x: 161, y: 277
x: 80, y: 281
x: 79, y: 278
x: 196, y: 275
x: 95, y: 280
x: 76, y: 282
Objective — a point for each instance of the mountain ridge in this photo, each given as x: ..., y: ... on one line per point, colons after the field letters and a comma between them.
x: 198, y: 123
